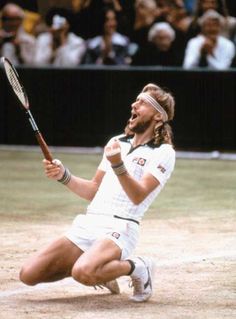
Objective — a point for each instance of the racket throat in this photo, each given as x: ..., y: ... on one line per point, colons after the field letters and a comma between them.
x: 32, y: 122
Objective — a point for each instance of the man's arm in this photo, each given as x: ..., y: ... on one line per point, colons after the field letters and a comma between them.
x: 137, y: 191
x: 86, y: 188
x: 82, y: 187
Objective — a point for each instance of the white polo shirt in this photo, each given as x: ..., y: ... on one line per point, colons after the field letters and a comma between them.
x: 111, y: 199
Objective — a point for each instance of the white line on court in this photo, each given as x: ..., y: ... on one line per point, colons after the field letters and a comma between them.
x: 168, y: 263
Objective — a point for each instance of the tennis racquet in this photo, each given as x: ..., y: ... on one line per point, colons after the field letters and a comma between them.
x: 20, y: 92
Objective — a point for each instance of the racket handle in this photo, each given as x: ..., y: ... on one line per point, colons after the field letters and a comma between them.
x: 47, y: 154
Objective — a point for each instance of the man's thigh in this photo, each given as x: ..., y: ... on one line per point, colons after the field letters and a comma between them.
x: 100, y: 253
x: 52, y: 263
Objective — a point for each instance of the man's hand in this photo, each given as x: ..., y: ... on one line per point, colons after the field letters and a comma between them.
x: 54, y: 170
x: 208, y: 46
x: 59, y: 36
x: 113, y: 152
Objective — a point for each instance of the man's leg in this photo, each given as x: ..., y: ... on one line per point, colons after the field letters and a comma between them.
x: 51, y: 264
x: 100, y: 264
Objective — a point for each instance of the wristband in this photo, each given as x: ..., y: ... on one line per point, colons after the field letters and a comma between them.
x: 119, y: 169
x: 66, y: 177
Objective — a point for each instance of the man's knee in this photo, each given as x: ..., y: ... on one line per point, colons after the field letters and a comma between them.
x: 85, y: 274
x: 28, y: 276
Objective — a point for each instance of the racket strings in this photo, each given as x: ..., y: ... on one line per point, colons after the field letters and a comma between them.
x: 12, y: 77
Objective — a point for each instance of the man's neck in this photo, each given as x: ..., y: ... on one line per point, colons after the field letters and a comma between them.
x: 140, y: 139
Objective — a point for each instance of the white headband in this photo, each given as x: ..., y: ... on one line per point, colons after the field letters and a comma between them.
x: 149, y: 99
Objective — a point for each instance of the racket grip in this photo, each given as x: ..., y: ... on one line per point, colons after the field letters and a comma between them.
x: 47, y: 154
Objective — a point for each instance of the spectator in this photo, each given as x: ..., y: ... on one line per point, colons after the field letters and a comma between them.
x: 59, y: 46
x: 228, y: 25
x: 15, y: 44
x: 145, y: 15
x: 88, y: 16
x: 174, y: 13
x: 160, y: 50
x: 209, y: 48
x: 178, y: 16
x: 110, y: 47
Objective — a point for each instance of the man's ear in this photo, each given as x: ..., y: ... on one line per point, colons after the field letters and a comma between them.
x: 157, y: 117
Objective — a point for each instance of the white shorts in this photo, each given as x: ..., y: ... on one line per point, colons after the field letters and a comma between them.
x: 86, y: 229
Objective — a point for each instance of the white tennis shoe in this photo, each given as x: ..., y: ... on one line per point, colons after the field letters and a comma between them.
x: 142, y: 279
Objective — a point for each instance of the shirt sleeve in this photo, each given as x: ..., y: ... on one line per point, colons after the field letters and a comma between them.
x: 162, y: 164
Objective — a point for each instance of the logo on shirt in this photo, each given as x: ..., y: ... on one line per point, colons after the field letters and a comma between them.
x: 139, y: 160
x: 116, y: 235
x: 161, y: 168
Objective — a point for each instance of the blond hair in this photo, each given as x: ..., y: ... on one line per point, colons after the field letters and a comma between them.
x: 162, y: 131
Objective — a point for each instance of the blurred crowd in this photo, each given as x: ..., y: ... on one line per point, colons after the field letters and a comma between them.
x: 177, y: 33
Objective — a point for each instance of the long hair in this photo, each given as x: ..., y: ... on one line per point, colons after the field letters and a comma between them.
x: 162, y: 131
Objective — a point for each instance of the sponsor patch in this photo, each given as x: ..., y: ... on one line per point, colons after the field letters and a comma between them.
x: 116, y: 235
x: 139, y: 160
x: 161, y: 168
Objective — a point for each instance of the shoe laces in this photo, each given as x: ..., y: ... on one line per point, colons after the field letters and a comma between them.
x: 96, y: 287
x: 137, y: 284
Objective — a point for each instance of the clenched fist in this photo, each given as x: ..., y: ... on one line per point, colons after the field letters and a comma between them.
x: 113, y: 152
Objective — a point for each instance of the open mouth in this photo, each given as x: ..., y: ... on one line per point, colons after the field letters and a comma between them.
x: 133, y: 116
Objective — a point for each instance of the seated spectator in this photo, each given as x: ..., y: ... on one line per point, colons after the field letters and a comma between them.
x: 228, y: 26
x: 88, y: 16
x: 178, y: 16
x: 145, y: 15
x: 160, y: 50
x: 58, y: 46
x: 110, y: 47
x: 209, y: 48
x: 173, y: 12
x: 15, y: 44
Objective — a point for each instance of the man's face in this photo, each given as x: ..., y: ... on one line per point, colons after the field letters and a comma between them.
x: 162, y: 40
x: 11, y: 24
x: 209, y: 4
x: 211, y: 28
x: 144, y: 8
x: 142, y: 116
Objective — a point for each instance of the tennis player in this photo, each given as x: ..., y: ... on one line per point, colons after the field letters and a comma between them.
x: 97, y: 249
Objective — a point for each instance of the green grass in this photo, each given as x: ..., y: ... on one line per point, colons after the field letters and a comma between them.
x: 197, y: 187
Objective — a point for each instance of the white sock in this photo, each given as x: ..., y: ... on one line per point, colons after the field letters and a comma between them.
x: 140, y: 270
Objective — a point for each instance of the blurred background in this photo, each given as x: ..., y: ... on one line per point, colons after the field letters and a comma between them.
x: 83, y: 63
